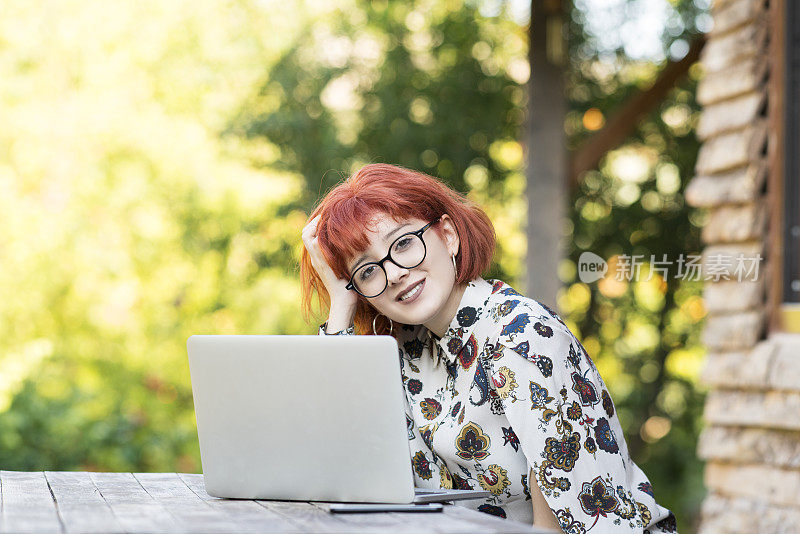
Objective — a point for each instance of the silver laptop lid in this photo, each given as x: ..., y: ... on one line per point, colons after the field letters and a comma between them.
x: 301, y: 417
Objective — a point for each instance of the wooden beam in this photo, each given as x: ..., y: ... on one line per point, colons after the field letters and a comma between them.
x: 625, y: 120
x: 546, y: 149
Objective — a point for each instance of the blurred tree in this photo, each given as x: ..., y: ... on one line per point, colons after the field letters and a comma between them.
x: 129, y: 224
x: 643, y: 335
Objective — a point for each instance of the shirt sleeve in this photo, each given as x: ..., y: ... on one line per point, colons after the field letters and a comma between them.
x: 565, y: 421
x: 349, y: 331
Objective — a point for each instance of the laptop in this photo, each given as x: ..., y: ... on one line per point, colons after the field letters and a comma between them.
x: 308, y: 418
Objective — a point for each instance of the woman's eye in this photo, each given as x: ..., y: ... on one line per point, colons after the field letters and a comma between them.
x: 402, y: 243
x: 366, y: 272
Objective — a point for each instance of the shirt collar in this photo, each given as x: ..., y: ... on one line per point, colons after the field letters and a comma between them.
x: 470, y: 310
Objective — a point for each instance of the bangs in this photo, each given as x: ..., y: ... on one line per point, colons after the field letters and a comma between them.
x: 344, y: 225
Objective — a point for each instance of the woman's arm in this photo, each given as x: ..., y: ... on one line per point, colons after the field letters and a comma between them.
x: 567, y: 427
x: 343, y: 302
x: 340, y: 318
x: 542, y: 514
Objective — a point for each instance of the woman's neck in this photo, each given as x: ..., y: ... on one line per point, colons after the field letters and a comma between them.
x: 438, y: 323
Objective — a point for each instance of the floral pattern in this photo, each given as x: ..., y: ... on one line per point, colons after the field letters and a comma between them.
x: 430, y: 408
x: 421, y: 466
x: 563, y: 453
x: 508, y: 397
x: 597, y: 498
x: 494, y: 479
x: 472, y: 443
x: 503, y: 382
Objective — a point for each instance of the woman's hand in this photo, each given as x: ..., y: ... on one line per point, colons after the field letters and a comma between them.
x: 343, y: 301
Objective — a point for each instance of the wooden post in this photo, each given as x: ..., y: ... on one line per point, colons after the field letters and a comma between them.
x: 546, y: 149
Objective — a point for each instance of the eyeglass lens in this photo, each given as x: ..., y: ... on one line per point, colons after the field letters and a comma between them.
x: 407, y: 251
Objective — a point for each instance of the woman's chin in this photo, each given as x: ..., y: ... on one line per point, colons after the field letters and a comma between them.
x: 418, y: 312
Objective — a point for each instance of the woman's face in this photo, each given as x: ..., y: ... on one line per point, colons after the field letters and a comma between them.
x: 420, y: 295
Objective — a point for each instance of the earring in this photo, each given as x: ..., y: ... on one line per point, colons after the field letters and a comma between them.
x: 453, y: 257
x: 375, y: 330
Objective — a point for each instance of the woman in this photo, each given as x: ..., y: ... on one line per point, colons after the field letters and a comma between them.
x: 499, y: 392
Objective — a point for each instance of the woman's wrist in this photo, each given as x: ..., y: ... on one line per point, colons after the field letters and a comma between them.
x: 340, y: 317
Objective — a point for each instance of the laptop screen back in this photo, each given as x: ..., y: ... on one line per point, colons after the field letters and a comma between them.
x: 301, y: 417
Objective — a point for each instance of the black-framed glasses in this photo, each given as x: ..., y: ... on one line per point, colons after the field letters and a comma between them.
x: 407, y: 251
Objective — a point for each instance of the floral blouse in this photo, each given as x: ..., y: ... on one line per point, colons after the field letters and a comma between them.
x: 509, y: 389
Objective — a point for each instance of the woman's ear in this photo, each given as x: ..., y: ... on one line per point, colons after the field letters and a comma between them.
x: 449, y: 234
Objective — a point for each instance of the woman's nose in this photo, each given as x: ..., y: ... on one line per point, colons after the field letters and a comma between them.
x: 393, y: 272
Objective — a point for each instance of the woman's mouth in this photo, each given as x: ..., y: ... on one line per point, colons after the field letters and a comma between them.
x: 412, y: 293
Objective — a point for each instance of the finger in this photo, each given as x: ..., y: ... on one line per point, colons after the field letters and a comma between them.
x: 311, y: 227
x: 309, y: 232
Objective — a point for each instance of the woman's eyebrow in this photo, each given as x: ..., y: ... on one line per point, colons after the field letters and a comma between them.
x: 390, y: 234
x: 385, y: 239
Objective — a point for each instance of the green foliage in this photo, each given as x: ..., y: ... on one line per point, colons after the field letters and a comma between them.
x: 431, y: 86
x: 644, y: 336
x: 129, y: 224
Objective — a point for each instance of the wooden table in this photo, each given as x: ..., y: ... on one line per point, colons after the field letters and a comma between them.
x: 175, y: 502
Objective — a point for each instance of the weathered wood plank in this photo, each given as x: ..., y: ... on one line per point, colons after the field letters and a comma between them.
x: 133, y: 507
x: 453, y: 519
x: 170, y: 502
x: 190, y: 511
x: 489, y: 523
x: 28, y: 505
x: 243, y: 515
x: 82, y: 508
x: 376, y: 521
x: 306, y: 517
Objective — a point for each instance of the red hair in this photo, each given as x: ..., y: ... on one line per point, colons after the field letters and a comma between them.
x: 347, y: 210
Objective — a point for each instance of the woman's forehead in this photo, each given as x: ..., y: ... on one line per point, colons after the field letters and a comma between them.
x: 380, y: 230
x: 381, y: 226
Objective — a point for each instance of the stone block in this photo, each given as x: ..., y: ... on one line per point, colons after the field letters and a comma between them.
x: 745, y: 76
x: 777, y: 448
x: 784, y: 373
x: 732, y: 332
x: 728, y: 296
x: 733, y: 149
x: 723, y: 51
x: 736, y: 186
x: 736, y: 515
x: 770, y: 409
x: 733, y: 114
x: 732, y: 223
x: 739, y: 370
x: 734, y: 14
x: 754, y: 481
x: 738, y: 262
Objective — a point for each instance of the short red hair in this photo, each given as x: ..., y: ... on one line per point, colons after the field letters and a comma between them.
x: 400, y: 193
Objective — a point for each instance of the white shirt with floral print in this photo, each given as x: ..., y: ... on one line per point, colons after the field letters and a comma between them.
x: 509, y: 389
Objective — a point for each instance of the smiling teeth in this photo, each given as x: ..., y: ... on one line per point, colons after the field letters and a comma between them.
x: 412, y: 292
